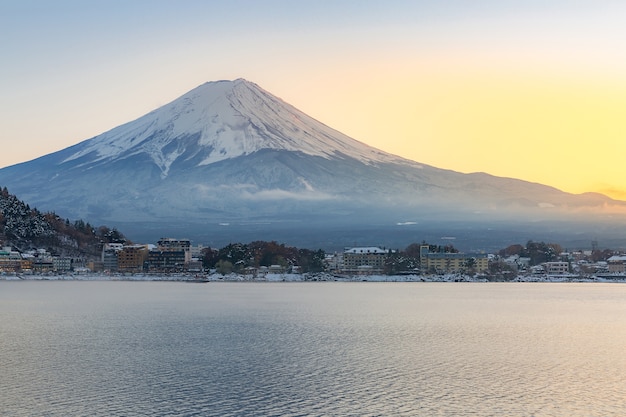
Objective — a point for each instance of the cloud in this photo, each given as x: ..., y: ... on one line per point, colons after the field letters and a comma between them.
x: 279, y: 194
x: 206, y: 189
x: 253, y: 193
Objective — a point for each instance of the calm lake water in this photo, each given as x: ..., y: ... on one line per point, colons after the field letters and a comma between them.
x: 312, y: 349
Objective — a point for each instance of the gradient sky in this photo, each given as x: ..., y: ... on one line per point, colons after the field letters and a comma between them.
x: 530, y: 89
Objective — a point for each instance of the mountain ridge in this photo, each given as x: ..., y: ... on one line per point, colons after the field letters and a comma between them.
x: 229, y: 152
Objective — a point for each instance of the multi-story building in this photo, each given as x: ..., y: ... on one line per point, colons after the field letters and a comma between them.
x: 556, y: 268
x: 131, y: 258
x: 171, y: 255
x: 10, y: 261
x: 168, y: 243
x: 42, y: 265
x: 109, y: 256
x: 168, y: 260
x: 617, y: 264
x: 445, y: 262
x: 364, y: 260
x: 27, y: 265
x: 109, y: 259
x: 62, y: 264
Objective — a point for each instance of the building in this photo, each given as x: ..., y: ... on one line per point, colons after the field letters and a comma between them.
x: 95, y: 266
x: 166, y: 260
x: 446, y: 262
x: 109, y: 260
x: 617, y: 264
x: 109, y: 256
x: 198, y: 251
x: 556, y: 268
x: 195, y: 265
x: 42, y: 265
x: 364, y: 260
x: 131, y: 258
x: 168, y: 243
x: 334, y: 262
x: 27, y: 265
x: 171, y: 255
x: 10, y: 261
x: 62, y: 264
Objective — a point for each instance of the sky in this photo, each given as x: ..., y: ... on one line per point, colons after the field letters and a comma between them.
x: 534, y: 90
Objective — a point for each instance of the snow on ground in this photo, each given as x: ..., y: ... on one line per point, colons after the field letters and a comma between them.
x: 214, y: 277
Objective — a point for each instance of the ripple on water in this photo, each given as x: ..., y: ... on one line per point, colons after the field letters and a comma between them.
x: 145, y: 349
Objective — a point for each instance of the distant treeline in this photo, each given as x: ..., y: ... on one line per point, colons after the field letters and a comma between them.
x: 236, y: 257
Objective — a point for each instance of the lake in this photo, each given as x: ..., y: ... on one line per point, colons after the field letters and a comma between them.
x: 109, y: 348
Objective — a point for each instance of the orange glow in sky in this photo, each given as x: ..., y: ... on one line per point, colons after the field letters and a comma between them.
x: 557, y: 132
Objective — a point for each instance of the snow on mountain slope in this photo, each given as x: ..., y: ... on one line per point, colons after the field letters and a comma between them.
x: 223, y: 120
x: 229, y: 152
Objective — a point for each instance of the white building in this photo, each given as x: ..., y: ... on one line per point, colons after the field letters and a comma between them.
x: 556, y: 268
x: 617, y: 264
x: 364, y: 260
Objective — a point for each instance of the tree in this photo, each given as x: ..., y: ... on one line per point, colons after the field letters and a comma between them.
x: 393, y: 263
x: 209, y: 257
x: 500, y: 271
x: 413, y: 250
x: 511, y: 250
x: 238, y: 254
x: 224, y: 267
x: 311, y: 261
x: 540, y: 252
x: 601, y: 255
x: 470, y: 266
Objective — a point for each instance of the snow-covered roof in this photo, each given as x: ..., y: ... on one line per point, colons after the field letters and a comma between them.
x: 366, y: 249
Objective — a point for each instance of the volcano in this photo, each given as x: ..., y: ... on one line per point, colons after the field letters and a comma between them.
x: 228, y: 161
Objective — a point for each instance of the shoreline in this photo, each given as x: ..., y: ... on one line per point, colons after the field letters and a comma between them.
x: 318, y: 277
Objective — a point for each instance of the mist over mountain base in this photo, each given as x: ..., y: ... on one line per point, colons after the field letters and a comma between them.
x: 469, y: 237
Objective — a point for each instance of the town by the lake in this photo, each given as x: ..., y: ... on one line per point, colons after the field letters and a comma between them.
x: 178, y: 259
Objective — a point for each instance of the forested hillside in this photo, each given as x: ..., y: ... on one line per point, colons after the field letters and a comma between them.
x: 24, y: 228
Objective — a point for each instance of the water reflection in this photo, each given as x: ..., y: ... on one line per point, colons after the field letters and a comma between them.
x: 293, y: 349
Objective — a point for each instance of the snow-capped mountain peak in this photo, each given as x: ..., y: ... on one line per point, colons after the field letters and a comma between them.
x: 221, y: 120
x: 229, y: 152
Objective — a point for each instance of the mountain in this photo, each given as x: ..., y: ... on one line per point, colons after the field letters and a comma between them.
x: 229, y: 161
